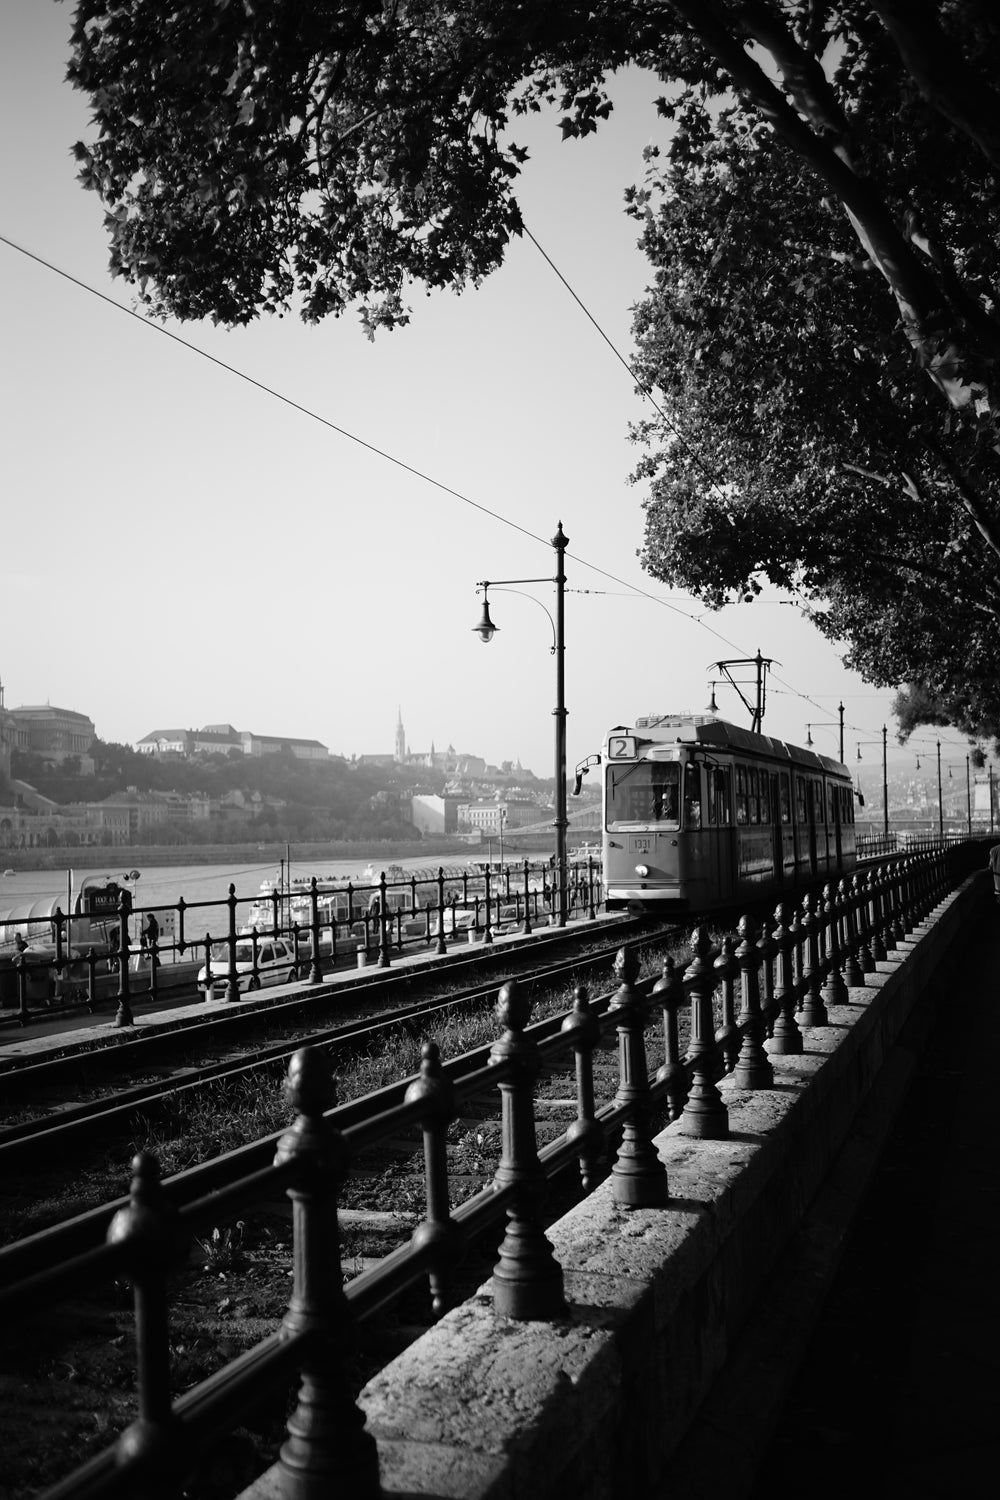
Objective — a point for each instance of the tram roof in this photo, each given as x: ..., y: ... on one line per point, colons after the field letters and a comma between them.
x: 706, y: 729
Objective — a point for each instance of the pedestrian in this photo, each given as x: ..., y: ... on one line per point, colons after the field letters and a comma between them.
x: 995, y: 869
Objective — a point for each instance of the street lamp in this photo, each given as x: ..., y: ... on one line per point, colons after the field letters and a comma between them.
x: 486, y: 631
x: 885, y: 779
x: 950, y: 764
x: 837, y: 723
x: 940, y: 803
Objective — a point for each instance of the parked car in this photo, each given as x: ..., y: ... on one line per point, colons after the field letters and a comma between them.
x: 275, y: 963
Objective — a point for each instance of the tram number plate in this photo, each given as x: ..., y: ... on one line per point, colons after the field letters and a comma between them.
x: 642, y: 846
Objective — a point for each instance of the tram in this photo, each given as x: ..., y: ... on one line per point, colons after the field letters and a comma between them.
x: 700, y: 813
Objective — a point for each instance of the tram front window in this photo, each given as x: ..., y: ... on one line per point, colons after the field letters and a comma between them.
x: 643, y: 795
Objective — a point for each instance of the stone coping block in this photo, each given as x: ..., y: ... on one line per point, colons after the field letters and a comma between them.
x: 592, y: 1406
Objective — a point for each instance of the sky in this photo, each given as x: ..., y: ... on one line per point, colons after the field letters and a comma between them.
x: 183, y: 548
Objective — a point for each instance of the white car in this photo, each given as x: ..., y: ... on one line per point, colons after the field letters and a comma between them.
x: 275, y: 964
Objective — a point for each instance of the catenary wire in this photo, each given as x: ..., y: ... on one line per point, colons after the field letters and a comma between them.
x: 373, y: 448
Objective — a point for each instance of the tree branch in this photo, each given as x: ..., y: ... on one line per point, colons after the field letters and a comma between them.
x: 941, y: 73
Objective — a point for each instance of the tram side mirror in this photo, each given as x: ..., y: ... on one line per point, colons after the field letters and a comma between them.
x: 582, y: 770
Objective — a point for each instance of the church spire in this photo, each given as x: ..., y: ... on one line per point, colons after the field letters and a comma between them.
x: 400, y: 736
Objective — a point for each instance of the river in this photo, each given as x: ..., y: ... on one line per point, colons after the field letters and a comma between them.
x: 160, y: 886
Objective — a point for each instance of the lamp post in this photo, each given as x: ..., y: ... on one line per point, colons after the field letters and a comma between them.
x: 486, y: 631
x: 837, y: 723
x: 885, y: 779
x: 950, y: 767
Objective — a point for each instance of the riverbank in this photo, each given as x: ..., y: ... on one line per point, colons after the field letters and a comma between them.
x: 94, y: 857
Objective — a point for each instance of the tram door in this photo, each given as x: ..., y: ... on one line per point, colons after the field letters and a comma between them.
x: 812, y: 802
x: 777, y: 829
x: 835, y: 808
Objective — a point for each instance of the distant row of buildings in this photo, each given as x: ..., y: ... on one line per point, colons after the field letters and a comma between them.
x: 223, y: 739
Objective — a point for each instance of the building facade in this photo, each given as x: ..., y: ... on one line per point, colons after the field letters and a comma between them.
x: 222, y: 739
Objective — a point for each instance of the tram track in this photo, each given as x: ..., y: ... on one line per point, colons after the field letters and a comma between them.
x: 56, y: 1121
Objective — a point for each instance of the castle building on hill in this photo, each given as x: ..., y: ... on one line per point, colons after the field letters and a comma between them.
x: 220, y: 739
x: 41, y: 729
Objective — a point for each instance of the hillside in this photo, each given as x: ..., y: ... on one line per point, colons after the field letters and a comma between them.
x: 333, y: 799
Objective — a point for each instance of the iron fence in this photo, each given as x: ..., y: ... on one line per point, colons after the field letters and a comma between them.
x: 322, y: 927
x: 747, y: 999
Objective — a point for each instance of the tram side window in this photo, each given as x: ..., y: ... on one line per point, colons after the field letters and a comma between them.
x: 801, y: 814
x: 742, y: 799
x: 718, y: 799
x: 765, y: 797
x: 831, y: 805
x: 692, y: 796
x: 785, y: 798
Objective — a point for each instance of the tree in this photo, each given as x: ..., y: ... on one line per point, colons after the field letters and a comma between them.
x: 815, y: 460
x: 254, y: 156
x: 249, y: 152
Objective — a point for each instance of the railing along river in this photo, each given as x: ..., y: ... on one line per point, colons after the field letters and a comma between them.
x: 322, y: 927
x: 786, y: 977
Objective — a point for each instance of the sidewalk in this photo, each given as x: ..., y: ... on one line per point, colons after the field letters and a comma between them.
x: 900, y: 1388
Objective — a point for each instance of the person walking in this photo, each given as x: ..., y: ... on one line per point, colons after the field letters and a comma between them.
x: 995, y: 869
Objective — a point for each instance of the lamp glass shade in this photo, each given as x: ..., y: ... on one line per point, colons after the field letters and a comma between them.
x: 486, y: 629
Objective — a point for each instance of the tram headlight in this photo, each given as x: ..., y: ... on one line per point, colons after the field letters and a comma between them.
x: 642, y: 871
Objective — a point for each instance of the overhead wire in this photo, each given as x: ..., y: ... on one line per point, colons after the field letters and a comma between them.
x: 690, y: 448
x: 633, y: 590
x: 346, y: 433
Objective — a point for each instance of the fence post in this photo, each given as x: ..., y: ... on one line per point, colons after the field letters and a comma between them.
x: 438, y: 1235
x: 705, y: 1115
x: 866, y: 959
x: 873, y: 889
x: 440, y: 946
x: 834, y: 989
x: 728, y: 1036
x: 123, y: 1015
x: 583, y: 1031
x: 639, y: 1176
x: 853, y: 972
x: 812, y: 1011
x: 232, y: 981
x: 786, y: 1038
x: 384, y: 934
x: 91, y: 980
x: 315, y: 968
x: 149, y: 1230
x: 22, y: 989
x: 154, y: 965
x: 527, y: 1278
x: 327, y: 1450
x: 753, y: 1068
x: 526, y: 928
x: 668, y: 993
x: 488, y: 928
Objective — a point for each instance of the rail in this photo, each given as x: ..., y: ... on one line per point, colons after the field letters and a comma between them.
x: 321, y: 927
x: 785, y: 978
